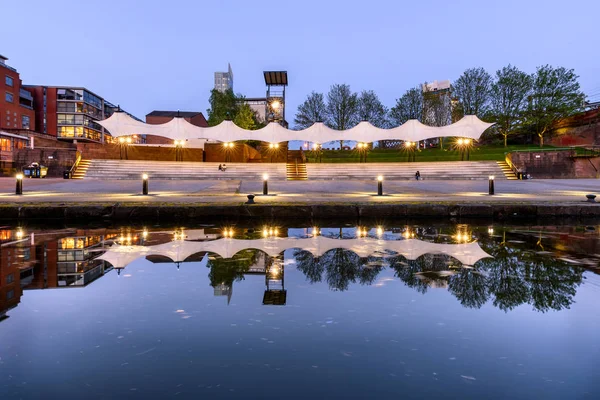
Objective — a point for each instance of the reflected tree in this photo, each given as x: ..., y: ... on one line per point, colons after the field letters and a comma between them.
x: 469, y: 286
x: 309, y: 265
x: 225, y: 271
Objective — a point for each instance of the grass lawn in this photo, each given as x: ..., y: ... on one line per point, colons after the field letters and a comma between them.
x: 488, y: 153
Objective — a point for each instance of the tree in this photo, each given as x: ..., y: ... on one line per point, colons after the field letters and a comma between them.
x: 371, y: 109
x: 312, y: 110
x: 472, y: 90
x: 508, y: 97
x: 229, y: 106
x: 554, y: 95
x: 409, y: 106
x: 342, y: 108
x: 245, y: 117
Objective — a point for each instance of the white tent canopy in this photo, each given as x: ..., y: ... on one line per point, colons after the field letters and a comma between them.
x: 180, y: 250
x: 121, y: 124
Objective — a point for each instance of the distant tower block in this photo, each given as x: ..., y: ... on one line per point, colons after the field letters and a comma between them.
x: 276, y: 82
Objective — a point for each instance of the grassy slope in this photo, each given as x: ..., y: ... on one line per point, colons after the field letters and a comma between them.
x: 493, y: 153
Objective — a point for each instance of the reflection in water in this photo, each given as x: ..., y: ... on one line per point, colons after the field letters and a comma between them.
x: 476, y: 265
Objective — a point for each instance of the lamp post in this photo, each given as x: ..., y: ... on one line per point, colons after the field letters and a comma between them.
x: 491, y: 184
x: 179, y: 150
x: 380, y: 185
x: 265, y: 184
x: 410, y: 148
x: 228, y: 148
x: 272, y: 149
x: 318, y: 149
x: 19, y: 187
x: 145, y: 184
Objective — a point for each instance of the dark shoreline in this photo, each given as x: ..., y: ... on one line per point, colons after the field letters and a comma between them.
x: 185, y: 212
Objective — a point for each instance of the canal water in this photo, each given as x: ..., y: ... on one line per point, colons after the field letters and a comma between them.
x: 295, y: 311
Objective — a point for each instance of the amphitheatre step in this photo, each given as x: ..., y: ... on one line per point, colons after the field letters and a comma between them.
x: 454, y: 170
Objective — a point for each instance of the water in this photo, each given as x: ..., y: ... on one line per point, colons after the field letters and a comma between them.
x: 416, y: 311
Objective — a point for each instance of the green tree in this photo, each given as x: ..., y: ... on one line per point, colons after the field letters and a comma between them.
x: 409, y: 106
x: 342, y: 108
x: 555, y: 94
x: 312, y: 110
x: 223, y: 105
x: 371, y: 109
x: 508, y: 98
x: 245, y: 118
x: 229, y: 106
x: 472, y: 90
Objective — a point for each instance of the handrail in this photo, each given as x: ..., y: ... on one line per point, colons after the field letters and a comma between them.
x: 76, y: 164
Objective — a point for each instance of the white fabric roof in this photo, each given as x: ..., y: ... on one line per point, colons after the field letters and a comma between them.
x: 179, y: 250
x: 121, y: 124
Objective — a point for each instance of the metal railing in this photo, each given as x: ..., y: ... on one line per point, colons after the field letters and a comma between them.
x: 75, y: 164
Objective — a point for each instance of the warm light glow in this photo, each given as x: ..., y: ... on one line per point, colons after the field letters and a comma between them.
x: 265, y: 232
x: 490, y: 230
x: 460, y: 142
x: 265, y: 177
x: 19, y: 177
x: 225, y: 144
x: 379, y: 231
x: 121, y: 140
x: 408, y: 144
x: 145, y: 177
x: 315, y: 231
x: 274, y: 271
x: 380, y: 178
x: 491, y: 177
x: 19, y: 234
x: 275, y: 105
x: 231, y: 145
x: 316, y: 146
x: 129, y: 140
x: 467, y: 141
x: 145, y: 234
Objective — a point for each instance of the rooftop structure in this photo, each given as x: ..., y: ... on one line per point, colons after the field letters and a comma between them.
x: 276, y: 82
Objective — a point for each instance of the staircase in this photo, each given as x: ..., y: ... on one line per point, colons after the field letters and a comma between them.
x: 134, y: 169
x: 440, y: 170
x: 296, y: 166
x: 81, y: 169
x: 508, y: 173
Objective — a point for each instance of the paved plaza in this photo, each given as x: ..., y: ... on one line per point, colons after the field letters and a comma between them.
x: 296, y: 192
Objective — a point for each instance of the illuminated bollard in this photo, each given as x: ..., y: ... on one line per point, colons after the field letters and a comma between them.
x: 380, y: 185
x: 19, y: 188
x: 145, y: 184
x: 265, y: 184
x: 491, y: 184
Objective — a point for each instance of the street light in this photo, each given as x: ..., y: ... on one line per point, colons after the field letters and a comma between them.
x: 179, y: 150
x: 380, y: 185
x: 265, y: 184
x: 410, y: 148
x: 19, y: 187
x: 491, y: 184
x: 228, y: 147
x: 145, y: 184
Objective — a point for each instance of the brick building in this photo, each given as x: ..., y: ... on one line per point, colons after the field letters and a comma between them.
x: 16, y: 102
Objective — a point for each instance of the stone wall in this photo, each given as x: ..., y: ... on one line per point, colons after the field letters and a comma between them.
x: 555, y: 164
x: 215, y: 152
x: 56, y: 159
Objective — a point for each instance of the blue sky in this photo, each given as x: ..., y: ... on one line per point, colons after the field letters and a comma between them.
x: 162, y: 55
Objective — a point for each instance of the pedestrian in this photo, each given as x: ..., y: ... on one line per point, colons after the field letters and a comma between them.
x: 224, y: 167
x: 220, y: 167
x: 418, y: 175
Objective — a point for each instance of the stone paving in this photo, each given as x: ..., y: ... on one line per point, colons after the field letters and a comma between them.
x: 296, y: 192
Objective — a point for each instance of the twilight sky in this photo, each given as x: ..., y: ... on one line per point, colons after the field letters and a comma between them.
x: 151, y: 54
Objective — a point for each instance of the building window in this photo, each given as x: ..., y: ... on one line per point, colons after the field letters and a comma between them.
x: 10, y: 294
x: 25, y: 122
x: 8, y: 97
x: 9, y: 81
x: 10, y: 278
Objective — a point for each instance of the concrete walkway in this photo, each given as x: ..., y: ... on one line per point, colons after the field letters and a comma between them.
x: 225, y: 192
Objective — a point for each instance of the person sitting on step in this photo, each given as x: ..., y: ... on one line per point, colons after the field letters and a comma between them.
x: 418, y: 175
x: 220, y: 167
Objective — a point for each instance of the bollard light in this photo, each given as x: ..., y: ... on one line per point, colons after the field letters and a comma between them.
x: 380, y: 185
x: 491, y: 184
x: 19, y: 187
x: 265, y: 184
x: 145, y: 184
